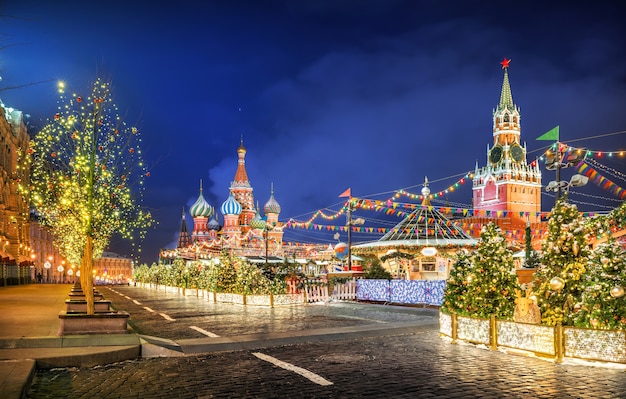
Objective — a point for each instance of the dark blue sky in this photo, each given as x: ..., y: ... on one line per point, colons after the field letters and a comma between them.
x: 327, y: 94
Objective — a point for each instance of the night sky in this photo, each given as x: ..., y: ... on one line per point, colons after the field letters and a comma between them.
x: 326, y: 94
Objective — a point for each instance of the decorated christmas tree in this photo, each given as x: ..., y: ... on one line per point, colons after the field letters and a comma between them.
x: 225, y: 273
x: 558, y: 281
x: 491, y: 290
x: 455, y: 299
x: 604, y: 303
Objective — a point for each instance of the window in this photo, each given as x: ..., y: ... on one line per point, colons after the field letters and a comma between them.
x: 428, y: 264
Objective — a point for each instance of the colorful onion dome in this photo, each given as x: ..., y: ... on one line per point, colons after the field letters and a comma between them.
x: 214, y: 224
x: 257, y: 222
x: 271, y: 206
x: 201, y: 208
x: 231, y: 206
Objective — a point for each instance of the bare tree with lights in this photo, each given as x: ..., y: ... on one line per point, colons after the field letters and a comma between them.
x: 87, y: 177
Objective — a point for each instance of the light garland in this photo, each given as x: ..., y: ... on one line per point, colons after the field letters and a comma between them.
x: 438, y: 194
x: 613, y: 172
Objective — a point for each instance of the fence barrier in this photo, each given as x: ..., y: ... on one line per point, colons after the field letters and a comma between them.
x: 556, y: 342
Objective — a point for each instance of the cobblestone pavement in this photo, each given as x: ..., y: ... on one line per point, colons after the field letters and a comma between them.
x: 420, y: 365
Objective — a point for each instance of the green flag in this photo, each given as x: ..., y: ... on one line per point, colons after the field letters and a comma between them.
x: 552, y: 135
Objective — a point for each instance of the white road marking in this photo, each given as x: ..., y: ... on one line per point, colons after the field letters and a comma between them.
x: 136, y: 302
x: 166, y: 317
x: 299, y: 370
x: 205, y: 332
x: 148, y: 309
x: 362, y: 318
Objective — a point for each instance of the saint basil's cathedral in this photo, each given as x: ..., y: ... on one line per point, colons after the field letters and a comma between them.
x: 244, y: 231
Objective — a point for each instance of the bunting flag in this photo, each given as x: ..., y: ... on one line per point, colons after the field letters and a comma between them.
x: 347, y: 193
x: 601, y: 181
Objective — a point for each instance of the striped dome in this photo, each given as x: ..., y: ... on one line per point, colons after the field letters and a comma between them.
x: 231, y: 206
x: 271, y: 206
x: 214, y: 224
x: 201, y: 208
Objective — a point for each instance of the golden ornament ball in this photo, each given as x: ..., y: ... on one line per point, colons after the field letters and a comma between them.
x: 557, y: 283
x: 617, y: 292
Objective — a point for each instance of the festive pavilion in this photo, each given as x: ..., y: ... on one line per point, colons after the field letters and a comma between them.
x: 420, y: 246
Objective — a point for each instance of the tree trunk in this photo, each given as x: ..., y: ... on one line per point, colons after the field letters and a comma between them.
x: 86, y: 275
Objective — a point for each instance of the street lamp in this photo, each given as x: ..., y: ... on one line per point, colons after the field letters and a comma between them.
x: 350, y: 223
x: 575, y: 181
x: 47, y: 266
x: 560, y: 160
x: 266, y: 229
x: 60, y: 269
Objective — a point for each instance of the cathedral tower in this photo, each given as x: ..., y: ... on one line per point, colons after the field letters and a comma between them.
x: 200, y: 211
x: 507, y: 186
x: 271, y: 211
x: 184, y: 240
x: 241, y: 189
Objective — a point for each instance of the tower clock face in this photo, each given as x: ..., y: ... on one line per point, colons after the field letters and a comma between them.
x: 496, y: 154
x: 517, y: 153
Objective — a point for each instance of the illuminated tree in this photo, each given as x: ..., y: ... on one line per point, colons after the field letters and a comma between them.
x: 455, y: 299
x: 604, y: 302
x: 491, y: 290
x: 558, y: 281
x: 225, y: 273
x: 87, y: 178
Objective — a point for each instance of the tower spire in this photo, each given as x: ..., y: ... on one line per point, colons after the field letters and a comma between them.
x: 506, y: 98
x: 184, y: 240
x: 426, y: 193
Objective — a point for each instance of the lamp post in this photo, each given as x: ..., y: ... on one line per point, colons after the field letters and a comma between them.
x: 561, y: 160
x: 576, y: 181
x: 47, y: 266
x: 350, y: 223
x: 266, y: 229
x: 60, y: 269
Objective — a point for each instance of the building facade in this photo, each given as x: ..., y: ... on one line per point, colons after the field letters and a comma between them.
x: 111, y: 268
x: 15, y: 246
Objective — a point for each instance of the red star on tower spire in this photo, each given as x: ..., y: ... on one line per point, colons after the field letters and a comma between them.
x: 505, y: 63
